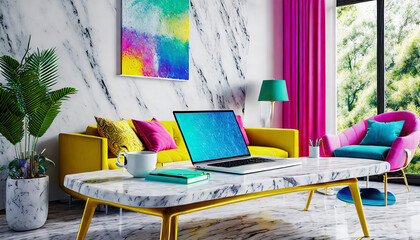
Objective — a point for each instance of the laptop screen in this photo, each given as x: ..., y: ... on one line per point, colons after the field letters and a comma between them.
x: 211, y: 135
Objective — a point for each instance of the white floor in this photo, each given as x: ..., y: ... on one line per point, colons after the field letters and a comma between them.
x: 279, y: 217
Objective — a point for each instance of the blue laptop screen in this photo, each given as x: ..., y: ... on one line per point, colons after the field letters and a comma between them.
x: 211, y: 135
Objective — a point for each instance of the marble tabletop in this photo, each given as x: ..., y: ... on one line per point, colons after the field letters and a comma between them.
x: 119, y: 186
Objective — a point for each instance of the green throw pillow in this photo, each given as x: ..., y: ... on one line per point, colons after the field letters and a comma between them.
x: 381, y: 133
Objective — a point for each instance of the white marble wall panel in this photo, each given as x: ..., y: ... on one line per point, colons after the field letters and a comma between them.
x: 86, y: 35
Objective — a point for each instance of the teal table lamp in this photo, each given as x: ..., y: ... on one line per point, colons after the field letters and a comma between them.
x: 272, y: 91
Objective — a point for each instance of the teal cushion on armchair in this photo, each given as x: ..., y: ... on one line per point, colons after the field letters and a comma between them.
x: 382, y: 133
x: 363, y: 151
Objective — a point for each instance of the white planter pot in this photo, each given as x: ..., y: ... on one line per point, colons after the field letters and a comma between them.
x: 27, y: 203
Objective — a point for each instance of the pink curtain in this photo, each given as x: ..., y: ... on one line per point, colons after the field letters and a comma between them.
x: 304, y: 69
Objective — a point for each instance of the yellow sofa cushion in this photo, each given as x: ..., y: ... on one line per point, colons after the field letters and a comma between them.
x: 92, y: 130
x: 173, y: 129
x: 173, y: 155
x: 268, y: 151
x: 121, y: 138
x: 112, y: 162
x: 165, y: 156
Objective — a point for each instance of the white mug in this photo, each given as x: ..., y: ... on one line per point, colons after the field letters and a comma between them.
x: 140, y: 163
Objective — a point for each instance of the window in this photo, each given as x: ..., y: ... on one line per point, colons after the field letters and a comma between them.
x: 356, y: 63
x: 402, y: 61
x: 378, y: 61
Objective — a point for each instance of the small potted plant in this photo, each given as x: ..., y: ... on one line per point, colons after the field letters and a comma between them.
x: 28, y: 107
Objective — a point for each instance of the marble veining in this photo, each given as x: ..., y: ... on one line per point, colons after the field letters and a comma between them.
x: 87, y: 37
x: 83, y: 28
x: 120, y: 187
x: 27, y: 203
x: 271, y: 218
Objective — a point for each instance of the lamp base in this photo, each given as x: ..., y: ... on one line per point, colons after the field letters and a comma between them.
x: 271, y: 114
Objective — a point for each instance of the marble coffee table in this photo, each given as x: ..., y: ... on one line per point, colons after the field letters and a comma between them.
x: 118, y: 188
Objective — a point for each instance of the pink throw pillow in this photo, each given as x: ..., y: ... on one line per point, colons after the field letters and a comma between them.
x: 154, y: 135
x: 241, y: 126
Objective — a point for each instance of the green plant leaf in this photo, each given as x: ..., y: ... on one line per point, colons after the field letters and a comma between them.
x: 10, y: 68
x: 44, y: 104
x: 11, y: 118
x: 41, y: 160
x: 42, y: 169
x: 41, y: 119
x: 31, y: 92
x: 43, y: 64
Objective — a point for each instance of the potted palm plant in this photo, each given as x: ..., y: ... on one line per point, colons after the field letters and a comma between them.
x: 28, y: 107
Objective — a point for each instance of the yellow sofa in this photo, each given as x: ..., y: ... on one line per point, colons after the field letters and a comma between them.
x: 86, y: 152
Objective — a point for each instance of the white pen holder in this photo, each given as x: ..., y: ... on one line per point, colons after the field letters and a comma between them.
x: 314, y: 152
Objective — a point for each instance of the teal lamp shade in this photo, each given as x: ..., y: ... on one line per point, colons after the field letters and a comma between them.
x: 273, y: 90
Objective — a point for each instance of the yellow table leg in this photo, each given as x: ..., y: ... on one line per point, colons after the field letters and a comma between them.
x: 165, y: 230
x: 355, y: 193
x: 87, y: 217
x: 367, y: 181
x: 311, y: 193
x: 173, y: 234
x: 385, y: 189
x: 170, y: 215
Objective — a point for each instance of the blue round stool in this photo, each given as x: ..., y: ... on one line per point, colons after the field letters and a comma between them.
x: 370, y: 196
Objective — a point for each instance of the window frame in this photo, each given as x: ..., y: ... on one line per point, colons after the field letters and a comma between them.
x: 341, y: 3
x: 413, y: 179
x: 380, y: 48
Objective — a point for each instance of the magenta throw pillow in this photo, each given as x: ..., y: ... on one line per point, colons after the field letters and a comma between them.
x: 154, y: 135
x: 241, y: 126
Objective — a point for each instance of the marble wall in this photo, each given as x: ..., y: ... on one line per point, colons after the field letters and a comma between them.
x: 87, y: 37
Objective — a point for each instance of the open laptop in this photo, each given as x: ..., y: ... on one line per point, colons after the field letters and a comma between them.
x: 215, y: 142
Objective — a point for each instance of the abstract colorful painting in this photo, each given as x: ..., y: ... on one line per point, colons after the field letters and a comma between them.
x: 155, y: 38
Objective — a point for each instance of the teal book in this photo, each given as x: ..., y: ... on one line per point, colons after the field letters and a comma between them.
x: 182, y: 176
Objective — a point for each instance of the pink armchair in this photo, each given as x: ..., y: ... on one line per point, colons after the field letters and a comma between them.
x: 402, y: 149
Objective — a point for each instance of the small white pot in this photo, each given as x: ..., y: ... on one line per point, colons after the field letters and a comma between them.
x: 313, y: 152
x: 27, y: 203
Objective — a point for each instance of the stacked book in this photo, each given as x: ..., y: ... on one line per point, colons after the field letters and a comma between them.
x: 182, y: 176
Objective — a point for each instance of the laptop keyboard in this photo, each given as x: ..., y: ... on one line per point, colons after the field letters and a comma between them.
x: 240, y: 162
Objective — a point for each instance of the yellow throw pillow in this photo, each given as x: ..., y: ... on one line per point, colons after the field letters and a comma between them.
x: 130, y: 123
x: 121, y: 138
